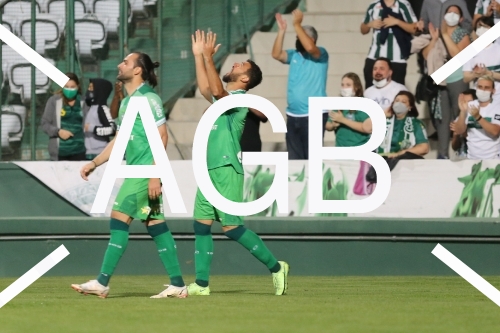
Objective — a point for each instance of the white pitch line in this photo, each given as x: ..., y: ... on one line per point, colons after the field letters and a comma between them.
x: 468, y: 274
x: 33, y: 57
x: 466, y: 54
x: 33, y: 274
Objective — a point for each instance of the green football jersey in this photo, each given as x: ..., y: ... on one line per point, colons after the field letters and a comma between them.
x: 224, y: 140
x: 138, y: 151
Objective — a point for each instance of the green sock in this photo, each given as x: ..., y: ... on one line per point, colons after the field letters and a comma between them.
x: 203, y: 252
x: 116, y: 247
x: 253, y: 243
x: 168, y: 252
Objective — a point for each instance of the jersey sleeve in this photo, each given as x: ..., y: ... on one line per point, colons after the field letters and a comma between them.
x: 368, y: 14
x: 420, y: 132
x: 156, y: 106
x: 361, y: 116
x: 479, y: 8
x: 323, y: 55
x: 408, y: 13
x: 289, y: 54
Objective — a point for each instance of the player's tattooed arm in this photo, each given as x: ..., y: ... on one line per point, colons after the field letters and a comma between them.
x: 209, y: 49
x: 201, y: 73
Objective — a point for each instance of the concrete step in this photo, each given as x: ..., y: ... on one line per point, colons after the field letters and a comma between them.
x: 188, y: 109
x: 337, y: 6
x: 333, y: 42
x: 324, y: 22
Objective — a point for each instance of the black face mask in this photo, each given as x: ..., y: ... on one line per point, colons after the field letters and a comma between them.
x: 89, y: 98
x: 298, y: 45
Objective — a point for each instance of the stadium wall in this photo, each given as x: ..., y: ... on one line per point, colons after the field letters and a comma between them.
x: 35, y: 220
x: 312, y: 246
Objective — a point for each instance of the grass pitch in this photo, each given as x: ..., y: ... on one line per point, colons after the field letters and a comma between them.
x: 247, y: 304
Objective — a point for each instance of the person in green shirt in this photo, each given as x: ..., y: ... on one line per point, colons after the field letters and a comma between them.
x: 352, y: 128
x: 225, y: 167
x: 138, y: 198
x: 62, y: 120
x: 405, y: 133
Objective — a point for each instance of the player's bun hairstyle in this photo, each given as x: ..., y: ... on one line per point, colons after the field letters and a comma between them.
x: 254, y: 75
x: 148, y: 68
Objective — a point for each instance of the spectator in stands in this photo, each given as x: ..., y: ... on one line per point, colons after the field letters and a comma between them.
x: 250, y: 139
x: 444, y: 107
x: 486, y: 62
x: 352, y: 128
x: 433, y: 11
x: 487, y: 8
x: 406, y: 136
x: 459, y: 141
x: 99, y: 125
x: 393, y: 23
x: 307, y: 78
x: 480, y: 119
x: 117, y: 99
x: 62, y: 120
x: 384, y: 89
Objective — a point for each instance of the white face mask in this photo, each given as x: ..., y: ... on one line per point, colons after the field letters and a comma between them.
x: 347, y: 92
x: 452, y: 19
x: 380, y: 84
x: 399, y: 108
x: 483, y: 95
x: 480, y: 31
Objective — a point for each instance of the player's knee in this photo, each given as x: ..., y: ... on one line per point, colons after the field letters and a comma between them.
x: 235, y: 233
x: 201, y: 228
x: 157, y: 229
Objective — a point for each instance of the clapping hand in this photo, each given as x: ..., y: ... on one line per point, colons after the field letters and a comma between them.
x: 281, y: 22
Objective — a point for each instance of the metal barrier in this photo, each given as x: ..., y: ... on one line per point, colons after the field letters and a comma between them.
x: 91, y: 37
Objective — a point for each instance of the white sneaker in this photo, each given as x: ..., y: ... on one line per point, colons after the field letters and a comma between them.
x: 92, y: 287
x: 172, y: 291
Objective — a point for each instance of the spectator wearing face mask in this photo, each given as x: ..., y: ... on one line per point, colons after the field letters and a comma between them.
x: 62, y: 121
x: 433, y: 11
x: 352, y: 128
x: 487, y: 8
x: 405, y: 133
x: 393, y: 23
x: 307, y: 78
x: 444, y: 107
x: 384, y: 89
x: 480, y: 119
x: 99, y: 125
x: 459, y: 141
x: 486, y: 62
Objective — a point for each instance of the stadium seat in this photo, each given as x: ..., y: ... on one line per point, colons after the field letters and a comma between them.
x: 21, y: 111
x: 7, y: 25
x: 11, y: 126
x: 9, y: 59
x: 19, y: 8
x: 90, y: 35
x: 110, y: 10
x: 48, y: 33
x: 20, y: 81
x: 58, y: 8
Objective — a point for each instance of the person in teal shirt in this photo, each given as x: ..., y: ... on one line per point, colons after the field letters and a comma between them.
x: 352, y: 128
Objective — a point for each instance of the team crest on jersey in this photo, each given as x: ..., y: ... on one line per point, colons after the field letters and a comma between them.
x: 63, y: 112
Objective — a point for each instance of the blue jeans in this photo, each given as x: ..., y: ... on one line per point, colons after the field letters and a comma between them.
x: 297, y: 136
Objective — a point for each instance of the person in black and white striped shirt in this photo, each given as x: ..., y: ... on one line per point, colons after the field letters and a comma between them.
x: 393, y: 23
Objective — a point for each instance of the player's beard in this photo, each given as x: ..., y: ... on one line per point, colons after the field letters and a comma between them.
x: 229, y: 77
